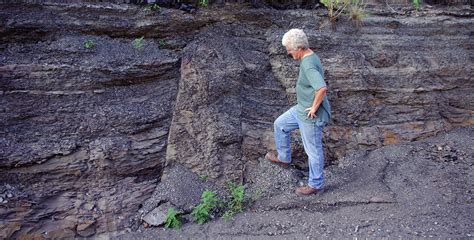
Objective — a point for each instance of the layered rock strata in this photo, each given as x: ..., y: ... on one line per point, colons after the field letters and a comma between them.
x: 85, y: 132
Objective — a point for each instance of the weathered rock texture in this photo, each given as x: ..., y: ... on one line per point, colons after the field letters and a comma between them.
x: 224, y: 111
x: 394, y: 80
x: 85, y: 133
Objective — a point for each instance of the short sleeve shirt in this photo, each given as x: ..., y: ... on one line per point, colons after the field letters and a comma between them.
x: 310, y: 80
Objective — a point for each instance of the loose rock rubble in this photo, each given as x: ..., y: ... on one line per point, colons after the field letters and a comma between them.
x: 398, y: 191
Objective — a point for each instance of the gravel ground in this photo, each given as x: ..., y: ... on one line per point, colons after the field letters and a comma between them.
x: 415, y: 190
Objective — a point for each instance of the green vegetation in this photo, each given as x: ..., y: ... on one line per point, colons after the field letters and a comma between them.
x: 138, y: 43
x: 172, y: 219
x: 153, y: 7
x: 203, y: 177
x: 236, y: 203
x: 88, y: 44
x: 352, y: 8
x: 203, y: 3
x: 356, y: 13
x: 202, y: 212
x: 335, y: 7
x: 210, y: 202
x: 162, y: 43
x: 416, y: 4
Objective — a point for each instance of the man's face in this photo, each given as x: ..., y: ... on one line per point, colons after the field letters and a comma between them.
x: 294, y: 53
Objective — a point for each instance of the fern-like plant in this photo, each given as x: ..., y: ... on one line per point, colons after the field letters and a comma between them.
x: 236, y: 203
x: 416, y: 4
x: 202, y: 212
x: 172, y: 219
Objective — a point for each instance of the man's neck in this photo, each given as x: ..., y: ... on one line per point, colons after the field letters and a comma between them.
x: 307, y: 52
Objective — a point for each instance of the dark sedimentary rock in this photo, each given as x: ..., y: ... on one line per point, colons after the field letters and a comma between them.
x: 224, y: 95
x: 85, y: 133
x: 80, y: 127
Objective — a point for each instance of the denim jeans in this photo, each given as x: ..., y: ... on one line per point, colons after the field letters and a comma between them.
x: 311, y: 134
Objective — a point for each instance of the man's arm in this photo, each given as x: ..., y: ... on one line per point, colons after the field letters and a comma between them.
x: 318, y: 99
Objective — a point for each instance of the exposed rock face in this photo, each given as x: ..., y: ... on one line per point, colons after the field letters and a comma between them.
x: 222, y: 110
x: 395, y: 80
x: 83, y: 130
x: 85, y: 133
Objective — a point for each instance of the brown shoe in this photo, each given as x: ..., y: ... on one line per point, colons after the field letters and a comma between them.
x: 306, y: 190
x: 274, y: 159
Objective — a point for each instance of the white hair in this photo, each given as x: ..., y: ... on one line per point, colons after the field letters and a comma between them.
x: 294, y: 39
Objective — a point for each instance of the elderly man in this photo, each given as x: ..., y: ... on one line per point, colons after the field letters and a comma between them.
x: 310, y: 114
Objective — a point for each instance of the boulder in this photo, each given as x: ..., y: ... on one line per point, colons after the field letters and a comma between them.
x: 157, y: 216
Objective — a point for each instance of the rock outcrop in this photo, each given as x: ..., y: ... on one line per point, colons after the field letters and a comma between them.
x: 224, y: 112
x: 86, y: 133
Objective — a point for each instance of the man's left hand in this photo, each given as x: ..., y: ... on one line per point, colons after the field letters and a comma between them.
x: 311, y: 112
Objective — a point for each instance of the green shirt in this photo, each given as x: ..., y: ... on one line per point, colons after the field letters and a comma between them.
x: 310, y: 80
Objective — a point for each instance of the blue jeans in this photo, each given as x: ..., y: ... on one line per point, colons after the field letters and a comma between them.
x: 311, y: 134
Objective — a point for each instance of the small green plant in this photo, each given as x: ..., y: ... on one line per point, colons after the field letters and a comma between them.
x: 153, y: 7
x: 138, y: 43
x: 236, y: 203
x: 162, y: 43
x: 89, y: 44
x: 172, y: 219
x: 202, y: 212
x: 203, y: 3
x: 356, y: 13
x: 204, y: 177
x: 416, y: 4
x: 335, y: 7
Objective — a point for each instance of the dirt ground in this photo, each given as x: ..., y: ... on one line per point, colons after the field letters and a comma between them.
x: 415, y: 190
